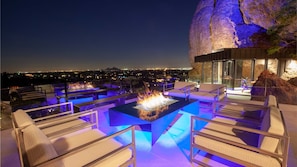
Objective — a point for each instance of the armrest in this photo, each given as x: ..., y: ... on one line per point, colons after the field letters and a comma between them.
x: 52, y: 116
x: 186, y: 88
x: 51, y: 106
x: 56, y: 127
x: 62, y: 119
x: 240, y: 127
x: 51, y: 111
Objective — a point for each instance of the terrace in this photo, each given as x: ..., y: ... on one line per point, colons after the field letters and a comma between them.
x: 171, y: 149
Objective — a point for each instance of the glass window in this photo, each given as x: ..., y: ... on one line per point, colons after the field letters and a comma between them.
x: 217, y: 72
x: 207, y: 72
x: 243, y: 70
x: 259, y: 67
x: 272, y: 65
x: 227, y: 73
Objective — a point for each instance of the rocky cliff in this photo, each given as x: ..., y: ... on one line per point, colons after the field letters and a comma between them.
x: 221, y: 24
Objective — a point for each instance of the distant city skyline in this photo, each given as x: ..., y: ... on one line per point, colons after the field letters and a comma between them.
x: 91, y: 35
x: 106, y: 69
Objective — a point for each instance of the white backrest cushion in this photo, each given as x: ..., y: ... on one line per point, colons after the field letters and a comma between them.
x: 264, y: 127
x: 38, y: 147
x: 270, y: 101
x: 206, y: 87
x: 276, y: 121
x: 210, y: 87
x: 181, y: 84
x: 22, y: 119
x: 271, y: 123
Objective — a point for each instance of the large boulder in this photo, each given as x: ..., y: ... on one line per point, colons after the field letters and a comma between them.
x: 282, y: 89
x: 221, y: 24
x: 293, y: 81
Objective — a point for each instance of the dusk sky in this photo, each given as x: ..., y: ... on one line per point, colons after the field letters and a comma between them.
x: 42, y: 35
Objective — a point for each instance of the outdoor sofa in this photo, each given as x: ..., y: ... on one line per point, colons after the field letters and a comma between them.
x: 203, y: 93
x: 244, y: 112
x: 230, y: 140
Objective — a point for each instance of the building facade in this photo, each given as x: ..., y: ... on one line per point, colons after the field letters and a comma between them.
x: 229, y: 65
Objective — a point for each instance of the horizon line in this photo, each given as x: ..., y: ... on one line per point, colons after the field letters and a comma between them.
x: 122, y: 69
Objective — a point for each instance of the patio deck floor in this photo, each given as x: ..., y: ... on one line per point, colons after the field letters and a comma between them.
x: 171, y: 149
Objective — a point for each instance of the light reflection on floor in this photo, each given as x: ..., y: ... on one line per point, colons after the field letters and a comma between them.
x: 178, y: 132
x: 173, y: 143
x: 175, y: 140
x: 81, y: 100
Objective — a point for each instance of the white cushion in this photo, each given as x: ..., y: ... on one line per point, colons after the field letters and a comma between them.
x: 180, y: 84
x: 178, y: 90
x: 53, y: 129
x: 96, y: 151
x: 276, y: 121
x: 237, y: 152
x: 237, y: 108
x: 203, y: 96
x: 210, y: 87
x: 270, y: 101
x: 22, y: 119
x: 176, y: 93
x: 230, y: 133
x: 271, y: 123
x: 64, y: 144
x: 222, y: 131
x: 38, y: 147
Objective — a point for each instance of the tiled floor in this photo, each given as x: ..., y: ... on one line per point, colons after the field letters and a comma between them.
x: 171, y: 149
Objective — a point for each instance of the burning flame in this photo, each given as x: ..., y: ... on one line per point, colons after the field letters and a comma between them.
x: 152, y: 101
x: 152, y: 104
x: 78, y: 86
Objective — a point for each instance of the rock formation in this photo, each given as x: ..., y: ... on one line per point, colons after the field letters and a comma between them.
x: 283, y: 90
x: 221, y: 24
x: 293, y: 81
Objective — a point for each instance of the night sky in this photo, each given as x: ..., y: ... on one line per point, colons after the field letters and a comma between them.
x: 47, y: 35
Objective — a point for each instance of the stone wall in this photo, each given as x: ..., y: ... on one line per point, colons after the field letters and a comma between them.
x: 246, y: 68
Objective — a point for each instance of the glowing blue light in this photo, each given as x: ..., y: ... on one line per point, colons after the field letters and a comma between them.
x: 178, y: 132
x: 77, y: 101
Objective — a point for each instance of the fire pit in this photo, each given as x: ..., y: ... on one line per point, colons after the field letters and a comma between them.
x: 154, y: 116
x: 150, y: 105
